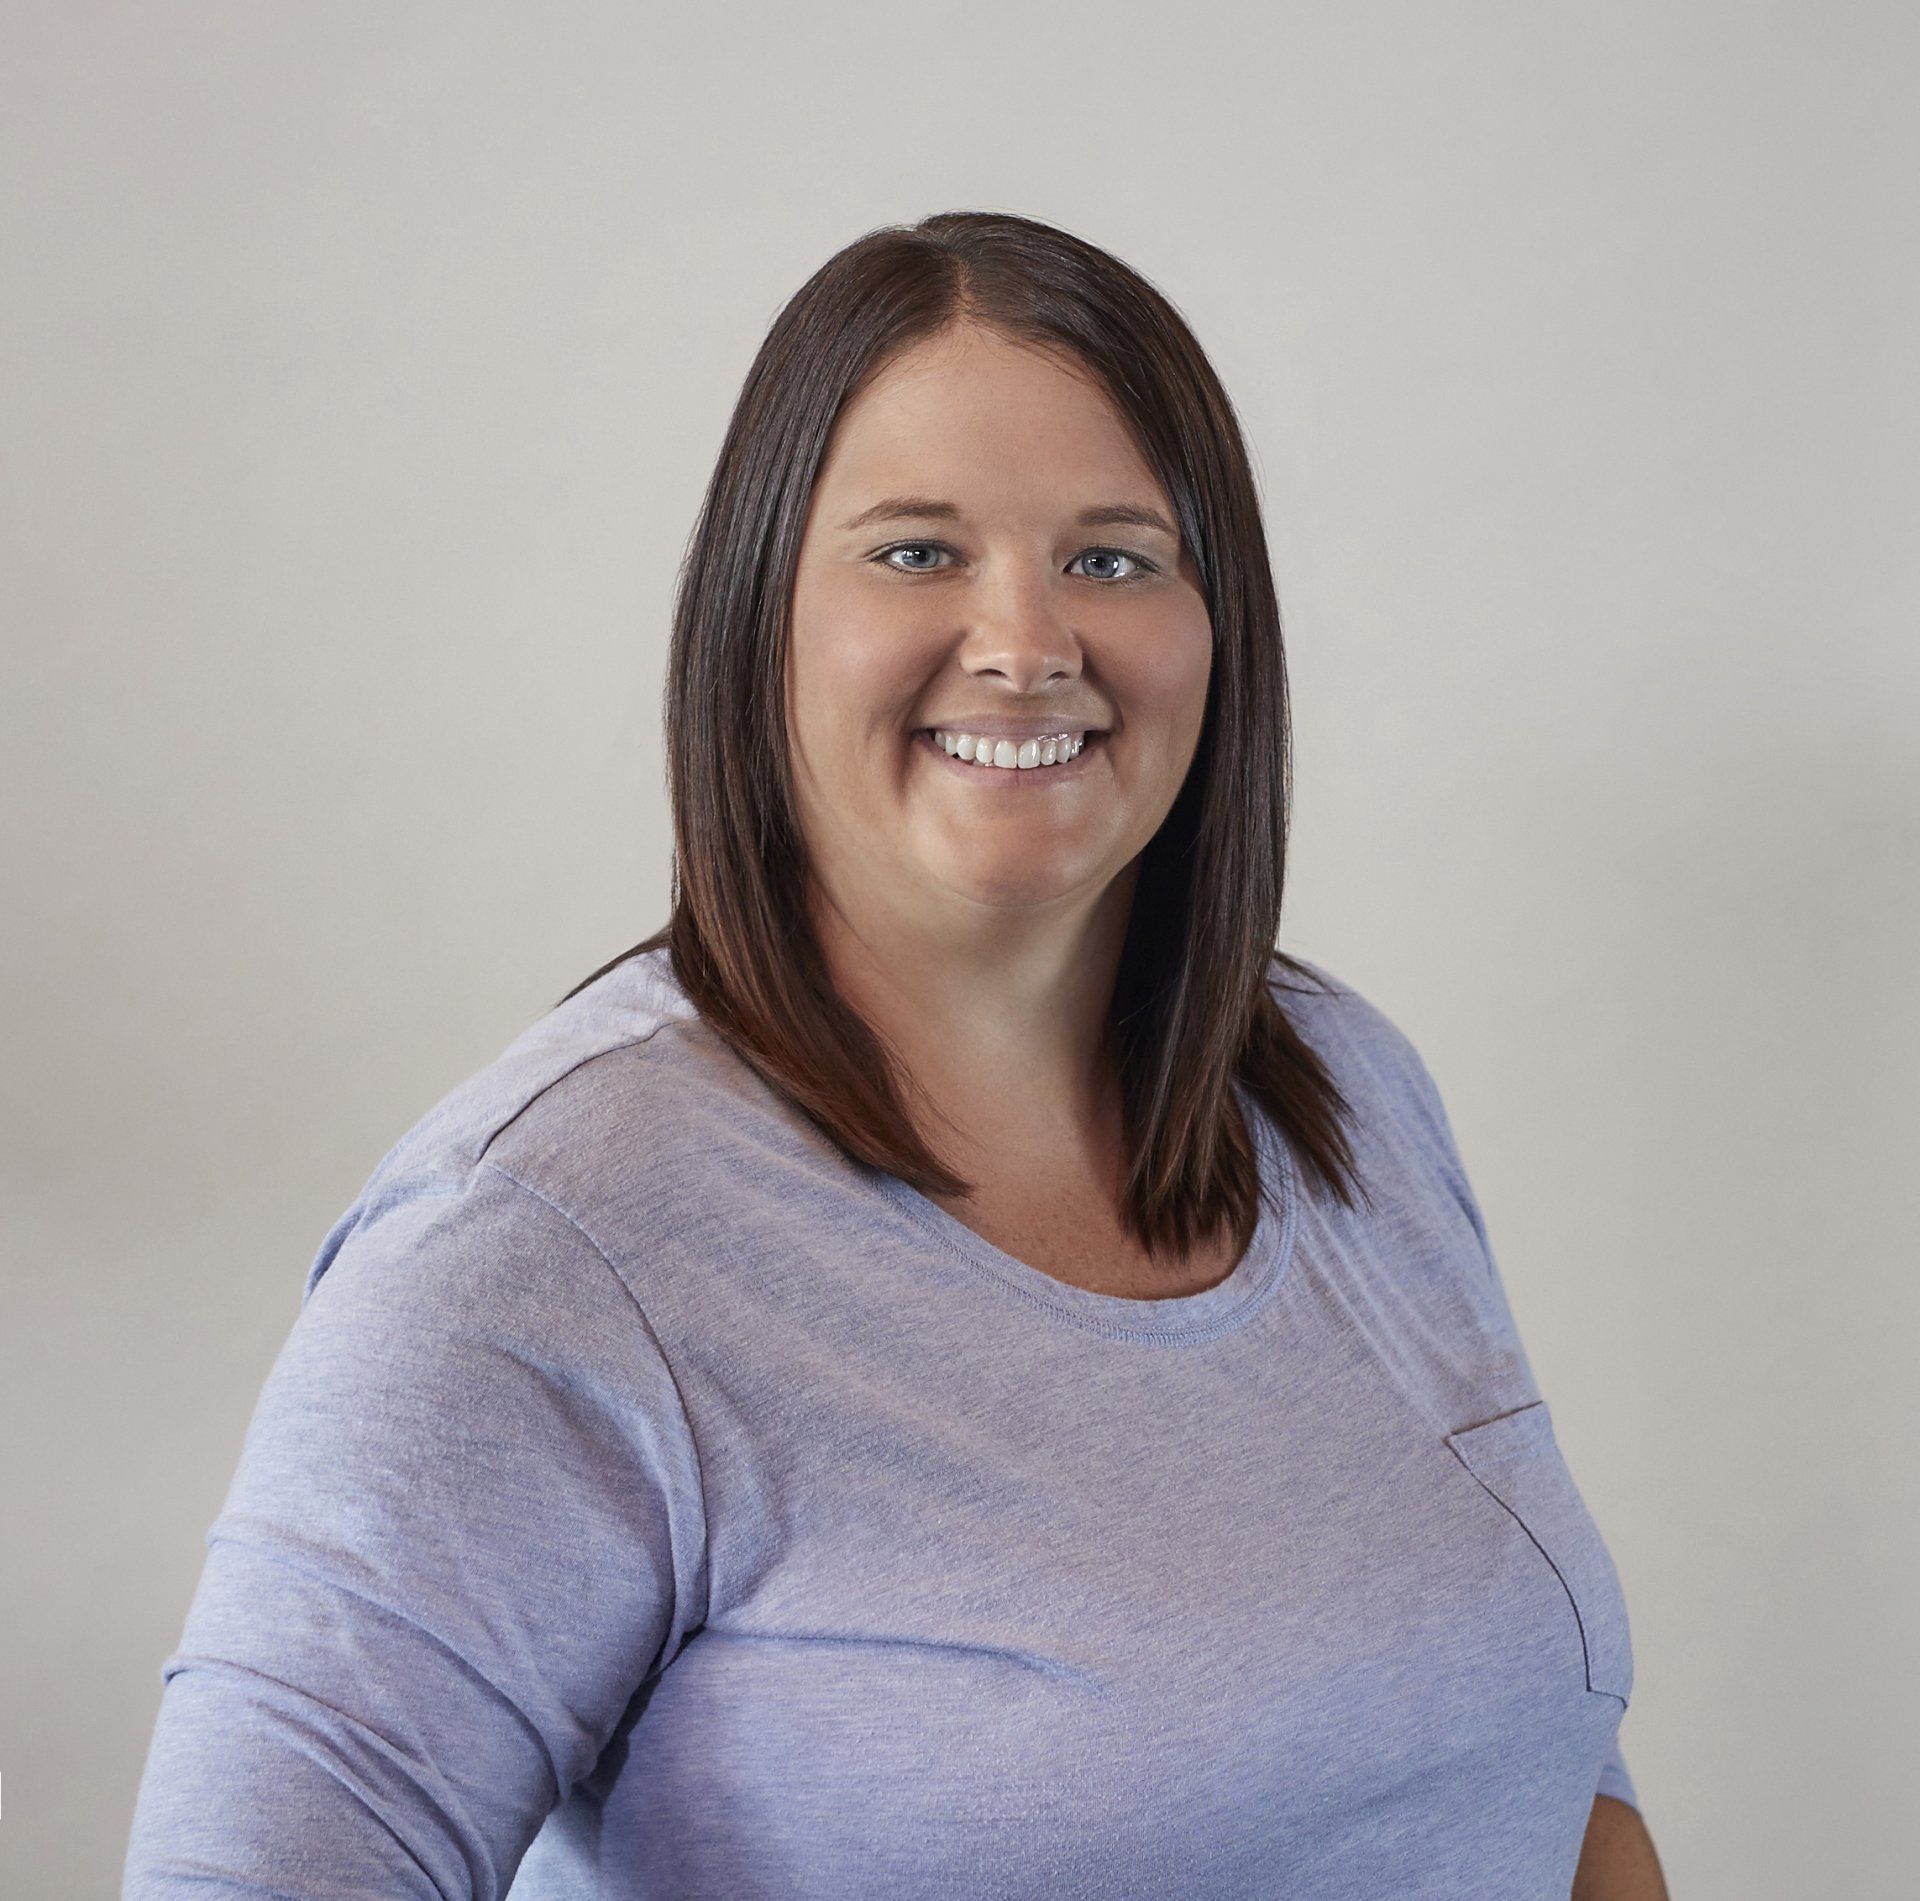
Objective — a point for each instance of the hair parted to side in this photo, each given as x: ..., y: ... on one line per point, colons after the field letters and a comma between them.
x: 1192, y: 1007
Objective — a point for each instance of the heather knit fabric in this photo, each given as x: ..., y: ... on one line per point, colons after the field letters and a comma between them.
x: 650, y: 1501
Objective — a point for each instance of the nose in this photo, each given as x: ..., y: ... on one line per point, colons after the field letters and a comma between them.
x: 1021, y: 635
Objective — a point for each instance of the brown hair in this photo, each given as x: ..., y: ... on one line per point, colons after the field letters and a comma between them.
x: 1192, y: 1008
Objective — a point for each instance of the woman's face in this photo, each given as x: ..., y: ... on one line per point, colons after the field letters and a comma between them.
x: 1000, y: 610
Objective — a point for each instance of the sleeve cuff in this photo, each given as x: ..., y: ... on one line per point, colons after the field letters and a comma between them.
x: 1615, y: 1781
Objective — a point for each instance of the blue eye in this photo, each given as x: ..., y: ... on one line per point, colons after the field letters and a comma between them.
x: 881, y: 557
x: 1119, y: 554
x: 1140, y: 562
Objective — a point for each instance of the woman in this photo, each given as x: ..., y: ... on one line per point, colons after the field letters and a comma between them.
x: 953, y: 1368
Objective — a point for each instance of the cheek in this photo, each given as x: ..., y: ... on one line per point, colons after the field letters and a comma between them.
x: 856, y: 669
x: 1163, y: 679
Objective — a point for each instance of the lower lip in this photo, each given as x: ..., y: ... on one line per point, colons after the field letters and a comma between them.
x: 1015, y: 778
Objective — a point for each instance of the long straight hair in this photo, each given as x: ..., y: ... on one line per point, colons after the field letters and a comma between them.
x: 1193, y: 1007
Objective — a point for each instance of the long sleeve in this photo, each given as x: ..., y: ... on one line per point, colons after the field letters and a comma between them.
x: 466, y: 1528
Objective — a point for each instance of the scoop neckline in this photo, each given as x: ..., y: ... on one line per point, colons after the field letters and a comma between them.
x: 1227, y: 1304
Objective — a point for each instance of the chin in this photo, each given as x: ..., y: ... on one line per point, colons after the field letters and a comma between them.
x: 1014, y: 885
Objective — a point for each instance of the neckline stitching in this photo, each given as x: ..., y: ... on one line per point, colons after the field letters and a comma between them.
x: 1266, y: 1277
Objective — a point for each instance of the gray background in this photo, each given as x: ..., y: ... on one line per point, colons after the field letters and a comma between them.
x: 362, y: 369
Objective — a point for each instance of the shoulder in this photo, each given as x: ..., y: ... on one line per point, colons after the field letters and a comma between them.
x: 1371, y: 1059
x: 618, y: 1104
x: 1343, y: 1024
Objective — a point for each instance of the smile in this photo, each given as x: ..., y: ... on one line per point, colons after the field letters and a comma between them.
x: 1011, y: 777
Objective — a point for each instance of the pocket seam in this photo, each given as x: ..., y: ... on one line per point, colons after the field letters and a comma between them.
x: 1528, y: 1439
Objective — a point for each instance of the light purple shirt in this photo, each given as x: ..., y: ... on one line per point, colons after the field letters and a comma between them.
x: 649, y: 1501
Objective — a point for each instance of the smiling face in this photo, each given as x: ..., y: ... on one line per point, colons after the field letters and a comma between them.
x: 1003, y: 610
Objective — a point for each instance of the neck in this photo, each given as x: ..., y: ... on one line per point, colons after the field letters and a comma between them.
x: 1003, y: 1034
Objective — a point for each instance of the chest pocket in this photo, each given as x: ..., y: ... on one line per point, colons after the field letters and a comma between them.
x: 1518, y: 1460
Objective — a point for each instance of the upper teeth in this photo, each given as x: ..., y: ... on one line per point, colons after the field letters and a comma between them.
x: 1055, y: 749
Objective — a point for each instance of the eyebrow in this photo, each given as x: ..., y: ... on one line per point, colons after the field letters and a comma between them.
x: 924, y: 508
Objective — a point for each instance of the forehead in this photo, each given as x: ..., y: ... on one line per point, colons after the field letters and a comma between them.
x: 971, y: 410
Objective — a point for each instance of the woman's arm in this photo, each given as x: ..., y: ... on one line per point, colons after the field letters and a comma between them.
x: 1617, y: 1862
x: 465, y: 1526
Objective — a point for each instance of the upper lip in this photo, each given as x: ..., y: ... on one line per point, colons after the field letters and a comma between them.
x: 1012, y: 726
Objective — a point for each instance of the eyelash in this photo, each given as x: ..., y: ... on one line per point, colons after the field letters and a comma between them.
x: 1116, y: 580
